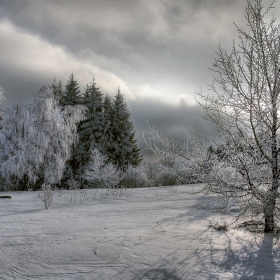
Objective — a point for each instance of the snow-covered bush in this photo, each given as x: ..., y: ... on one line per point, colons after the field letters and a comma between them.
x: 134, y: 177
x: 164, y: 173
x: 100, y: 173
x: 150, y: 169
x: 72, y: 184
x: 166, y: 176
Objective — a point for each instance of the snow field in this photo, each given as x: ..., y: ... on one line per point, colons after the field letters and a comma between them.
x: 151, y: 233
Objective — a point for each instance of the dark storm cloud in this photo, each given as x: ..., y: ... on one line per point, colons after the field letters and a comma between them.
x: 158, y: 40
x: 157, y: 51
x: 140, y: 34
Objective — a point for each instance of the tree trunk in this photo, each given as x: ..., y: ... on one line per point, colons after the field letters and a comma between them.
x: 269, y: 222
x: 269, y: 207
x: 269, y: 203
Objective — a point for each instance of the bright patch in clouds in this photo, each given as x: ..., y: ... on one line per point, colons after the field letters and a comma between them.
x: 37, y: 57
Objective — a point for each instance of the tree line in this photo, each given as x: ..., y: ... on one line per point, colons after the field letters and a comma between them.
x: 106, y: 126
x: 50, y: 139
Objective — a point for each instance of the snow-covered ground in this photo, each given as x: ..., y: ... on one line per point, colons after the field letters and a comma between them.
x: 155, y: 233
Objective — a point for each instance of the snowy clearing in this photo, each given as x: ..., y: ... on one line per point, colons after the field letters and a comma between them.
x: 154, y: 233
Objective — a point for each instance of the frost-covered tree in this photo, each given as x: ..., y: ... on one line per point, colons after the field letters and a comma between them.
x: 91, y: 129
x: 245, y: 111
x: 123, y: 150
x: 36, y: 139
x: 47, y: 195
x: 100, y: 173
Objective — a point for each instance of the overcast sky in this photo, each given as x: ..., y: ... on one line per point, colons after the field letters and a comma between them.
x: 157, y: 51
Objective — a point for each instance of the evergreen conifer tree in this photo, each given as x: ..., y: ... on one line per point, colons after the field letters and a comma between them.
x: 71, y: 96
x: 107, y: 137
x: 123, y: 151
x: 90, y: 130
x: 57, y: 88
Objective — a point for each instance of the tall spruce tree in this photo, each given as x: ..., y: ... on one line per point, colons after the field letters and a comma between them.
x: 71, y: 96
x: 123, y: 151
x: 107, y: 137
x: 57, y: 88
x: 90, y: 130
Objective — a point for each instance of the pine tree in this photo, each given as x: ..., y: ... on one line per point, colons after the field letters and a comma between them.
x: 71, y: 96
x: 136, y: 156
x: 107, y: 137
x: 123, y: 150
x: 90, y: 130
x: 57, y: 88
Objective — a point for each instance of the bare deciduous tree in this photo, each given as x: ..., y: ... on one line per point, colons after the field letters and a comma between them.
x: 244, y: 109
x: 47, y: 195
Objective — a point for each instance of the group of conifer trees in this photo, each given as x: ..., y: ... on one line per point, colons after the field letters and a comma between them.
x: 107, y: 126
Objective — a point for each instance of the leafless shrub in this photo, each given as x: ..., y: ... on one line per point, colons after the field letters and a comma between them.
x: 47, y: 195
